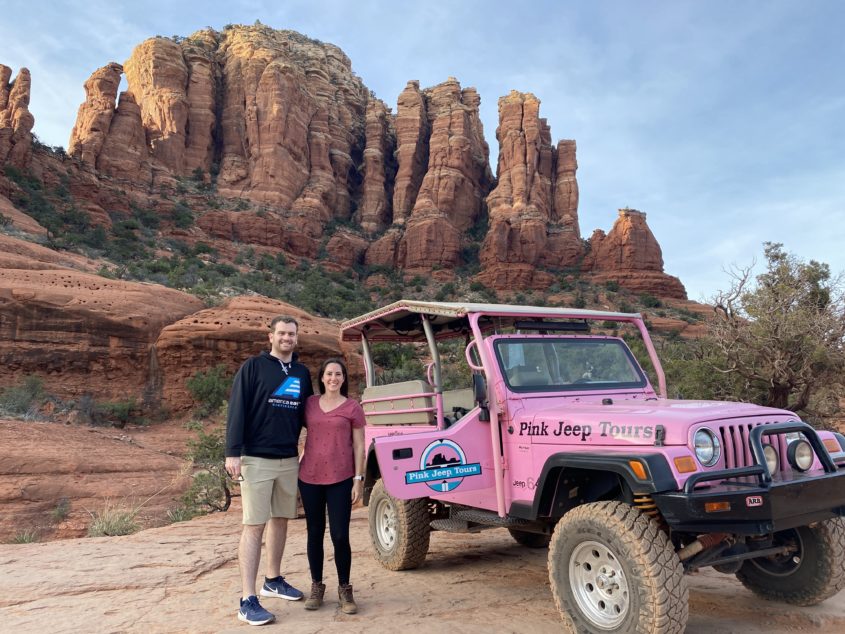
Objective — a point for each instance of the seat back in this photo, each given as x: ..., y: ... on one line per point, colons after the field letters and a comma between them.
x: 407, y: 395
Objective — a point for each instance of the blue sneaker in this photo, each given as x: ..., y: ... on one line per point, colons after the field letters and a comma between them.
x: 280, y: 588
x: 252, y: 612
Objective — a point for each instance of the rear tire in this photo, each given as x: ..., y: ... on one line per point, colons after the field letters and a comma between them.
x: 530, y: 540
x: 818, y: 573
x: 399, y: 529
x: 612, y: 569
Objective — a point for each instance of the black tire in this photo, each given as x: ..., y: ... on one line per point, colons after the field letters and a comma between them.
x: 531, y: 540
x: 399, y: 530
x: 818, y: 574
x: 612, y: 569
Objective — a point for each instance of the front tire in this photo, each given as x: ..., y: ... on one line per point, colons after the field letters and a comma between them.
x: 612, y: 569
x: 815, y: 571
x: 399, y: 530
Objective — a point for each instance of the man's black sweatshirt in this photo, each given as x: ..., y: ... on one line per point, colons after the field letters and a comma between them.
x: 267, y: 407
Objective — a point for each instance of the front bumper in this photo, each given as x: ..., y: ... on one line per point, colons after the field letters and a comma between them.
x: 749, y: 501
x: 756, y: 509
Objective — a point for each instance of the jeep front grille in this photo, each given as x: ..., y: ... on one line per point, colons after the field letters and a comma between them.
x: 736, y: 447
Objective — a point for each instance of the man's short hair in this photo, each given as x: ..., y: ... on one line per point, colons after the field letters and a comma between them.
x: 287, y: 319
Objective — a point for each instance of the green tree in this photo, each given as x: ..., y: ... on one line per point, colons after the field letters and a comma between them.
x: 781, y: 335
x: 209, y: 490
x: 209, y: 389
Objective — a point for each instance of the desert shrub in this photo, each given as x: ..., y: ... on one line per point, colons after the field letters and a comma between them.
x: 650, y: 301
x: 113, y: 520
x: 23, y: 399
x: 117, y: 413
x: 182, y: 215
x: 147, y: 217
x: 209, y: 490
x: 446, y: 291
x: 180, y: 513
x: 60, y: 513
x: 209, y: 389
x: 397, y: 363
x: 26, y: 536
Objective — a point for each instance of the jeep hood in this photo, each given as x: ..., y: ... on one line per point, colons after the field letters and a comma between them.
x: 629, y: 421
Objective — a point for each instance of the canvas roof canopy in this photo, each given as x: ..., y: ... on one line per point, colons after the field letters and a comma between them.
x: 401, y: 321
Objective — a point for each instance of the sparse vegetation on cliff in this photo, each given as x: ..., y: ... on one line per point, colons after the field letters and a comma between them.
x: 23, y: 399
x: 209, y: 390
x: 113, y: 520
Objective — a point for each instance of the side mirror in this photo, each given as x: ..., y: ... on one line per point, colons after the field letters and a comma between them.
x: 479, y: 389
x: 479, y: 394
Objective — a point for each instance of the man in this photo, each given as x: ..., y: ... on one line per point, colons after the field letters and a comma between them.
x: 266, y: 411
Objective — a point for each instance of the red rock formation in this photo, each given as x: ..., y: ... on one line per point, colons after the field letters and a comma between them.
x: 451, y: 196
x: 84, y: 468
x: 18, y: 220
x: 344, y: 249
x: 16, y: 121
x: 565, y: 210
x: 124, y: 152
x: 95, y: 114
x: 158, y: 77
x: 527, y: 228
x: 412, y: 133
x: 232, y: 332
x: 265, y: 229
x: 282, y: 120
x: 385, y: 250
x: 203, y: 76
x: 630, y: 255
x: 375, y: 211
x: 75, y: 326
x: 291, y: 121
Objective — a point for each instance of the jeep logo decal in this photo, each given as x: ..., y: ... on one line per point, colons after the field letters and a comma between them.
x: 443, y: 466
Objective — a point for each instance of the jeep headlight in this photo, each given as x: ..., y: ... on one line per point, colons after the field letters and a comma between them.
x: 771, y: 455
x: 707, y: 447
x: 800, y: 455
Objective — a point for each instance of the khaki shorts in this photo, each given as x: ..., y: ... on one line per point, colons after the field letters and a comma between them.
x: 268, y: 488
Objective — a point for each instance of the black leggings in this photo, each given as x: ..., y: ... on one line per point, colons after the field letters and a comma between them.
x: 338, y: 499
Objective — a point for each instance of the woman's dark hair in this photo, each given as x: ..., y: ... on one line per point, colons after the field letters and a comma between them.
x: 344, y: 387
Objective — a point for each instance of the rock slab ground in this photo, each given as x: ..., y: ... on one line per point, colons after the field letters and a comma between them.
x: 184, y: 578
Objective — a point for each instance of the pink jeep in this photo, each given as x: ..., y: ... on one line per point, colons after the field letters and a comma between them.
x: 560, y: 437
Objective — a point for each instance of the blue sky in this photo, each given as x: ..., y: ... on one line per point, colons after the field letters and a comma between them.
x: 723, y: 120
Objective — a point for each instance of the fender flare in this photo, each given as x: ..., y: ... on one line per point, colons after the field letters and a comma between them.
x: 659, y: 476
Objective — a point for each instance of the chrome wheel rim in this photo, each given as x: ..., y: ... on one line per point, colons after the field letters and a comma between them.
x: 386, y: 524
x: 599, y: 585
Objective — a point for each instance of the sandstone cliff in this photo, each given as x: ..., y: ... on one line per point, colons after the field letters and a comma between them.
x: 630, y: 255
x: 16, y: 121
x: 442, y: 179
x: 320, y: 169
x: 533, y: 209
x: 115, y: 340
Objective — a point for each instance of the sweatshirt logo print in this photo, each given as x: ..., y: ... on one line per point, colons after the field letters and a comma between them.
x: 291, y: 387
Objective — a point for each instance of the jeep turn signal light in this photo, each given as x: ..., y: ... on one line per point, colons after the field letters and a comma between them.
x: 831, y: 445
x: 685, y: 464
x: 716, y: 507
x: 638, y: 469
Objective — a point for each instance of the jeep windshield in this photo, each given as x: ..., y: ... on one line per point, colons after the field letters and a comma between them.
x: 545, y: 363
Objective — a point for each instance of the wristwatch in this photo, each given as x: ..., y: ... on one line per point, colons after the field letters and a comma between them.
x: 358, y: 477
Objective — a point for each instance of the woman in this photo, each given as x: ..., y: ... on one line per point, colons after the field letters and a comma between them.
x: 331, y: 477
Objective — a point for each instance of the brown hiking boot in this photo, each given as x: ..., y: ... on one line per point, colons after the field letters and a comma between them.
x: 316, y: 599
x: 347, y: 601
